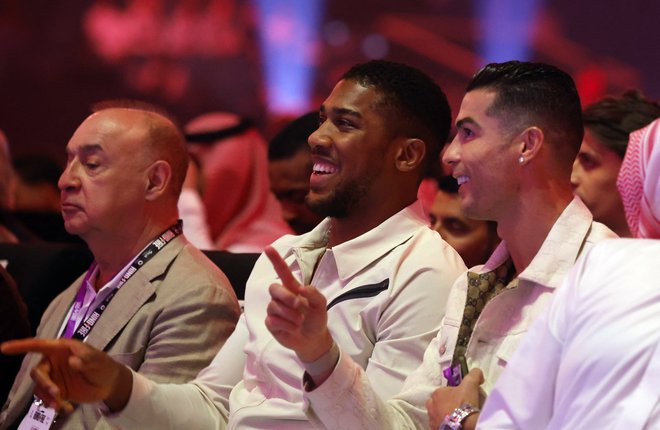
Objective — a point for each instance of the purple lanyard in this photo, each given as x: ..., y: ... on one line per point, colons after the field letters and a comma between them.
x: 77, y: 304
x: 151, y: 250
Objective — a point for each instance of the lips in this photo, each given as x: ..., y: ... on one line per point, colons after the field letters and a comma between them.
x: 69, y: 208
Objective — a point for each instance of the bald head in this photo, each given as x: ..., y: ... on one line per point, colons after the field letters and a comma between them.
x: 155, y: 135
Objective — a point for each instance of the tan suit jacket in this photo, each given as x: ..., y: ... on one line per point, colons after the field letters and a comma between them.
x: 167, y: 322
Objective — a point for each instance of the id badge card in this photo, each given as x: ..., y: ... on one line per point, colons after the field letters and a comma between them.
x: 39, y: 417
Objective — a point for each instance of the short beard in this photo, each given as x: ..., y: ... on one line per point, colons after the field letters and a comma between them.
x: 343, y: 200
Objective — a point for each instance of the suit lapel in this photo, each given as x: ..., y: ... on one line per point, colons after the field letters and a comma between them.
x: 135, y: 292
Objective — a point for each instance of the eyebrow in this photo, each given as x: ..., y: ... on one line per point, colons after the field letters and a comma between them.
x: 342, y: 111
x: 464, y: 121
x: 87, y: 149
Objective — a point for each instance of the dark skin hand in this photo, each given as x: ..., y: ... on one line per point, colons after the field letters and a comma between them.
x: 297, y: 315
x: 74, y: 372
x: 445, y: 399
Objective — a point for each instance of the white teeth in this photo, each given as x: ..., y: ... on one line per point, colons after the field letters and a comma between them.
x: 324, y: 168
x: 462, y: 179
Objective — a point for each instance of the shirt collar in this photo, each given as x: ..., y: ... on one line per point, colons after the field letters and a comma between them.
x: 356, y: 254
x: 558, y: 251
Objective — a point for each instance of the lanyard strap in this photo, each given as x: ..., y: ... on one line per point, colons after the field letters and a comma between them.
x: 152, y: 249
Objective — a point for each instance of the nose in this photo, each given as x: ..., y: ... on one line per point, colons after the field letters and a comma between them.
x: 68, y: 179
x: 575, y: 174
x: 319, y: 137
x: 450, y: 155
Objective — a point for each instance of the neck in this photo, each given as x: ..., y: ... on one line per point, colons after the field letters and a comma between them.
x: 113, y: 252
x: 527, y: 227
x: 361, y: 221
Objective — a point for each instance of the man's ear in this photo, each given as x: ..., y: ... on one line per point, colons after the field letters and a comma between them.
x: 159, y: 175
x: 531, y: 141
x: 410, y: 154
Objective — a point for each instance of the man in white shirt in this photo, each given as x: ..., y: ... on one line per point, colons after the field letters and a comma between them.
x: 382, y: 274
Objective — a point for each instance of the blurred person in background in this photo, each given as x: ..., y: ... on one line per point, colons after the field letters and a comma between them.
x: 242, y: 213
x: 191, y: 207
x: 36, y: 183
x: 607, y: 125
x: 289, y: 170
x: 12, y: 230
x: 14, y: 322
x: 475, y: 240
x: 7, y: 185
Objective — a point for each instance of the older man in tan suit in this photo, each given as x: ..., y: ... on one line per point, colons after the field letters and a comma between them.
x: 150, y: 299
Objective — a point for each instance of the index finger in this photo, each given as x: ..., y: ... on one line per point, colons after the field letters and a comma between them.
x: 282, y: 270
x: 44, y: 346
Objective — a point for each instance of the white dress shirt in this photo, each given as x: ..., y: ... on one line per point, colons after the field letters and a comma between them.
x: 592, y: 360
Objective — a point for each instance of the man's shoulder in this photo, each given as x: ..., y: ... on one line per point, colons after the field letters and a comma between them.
x: 192, y: 270
x: 426, y: 248
x: 195, y: 266
x: 188, y: 279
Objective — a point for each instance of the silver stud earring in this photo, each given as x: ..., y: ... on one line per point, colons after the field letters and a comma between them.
x: 521, y: 159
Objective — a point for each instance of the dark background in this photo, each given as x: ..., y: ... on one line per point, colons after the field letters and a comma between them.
x: 200, y: 55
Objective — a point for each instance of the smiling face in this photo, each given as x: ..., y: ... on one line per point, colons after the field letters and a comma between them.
x: 350, y: 153
x: 595, y: 171
x: 104, y: 183
x: 483, y: 160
